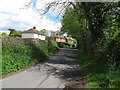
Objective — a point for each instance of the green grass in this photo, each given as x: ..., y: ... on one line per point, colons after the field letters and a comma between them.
x: 18, y: 53
x: 98, y: 71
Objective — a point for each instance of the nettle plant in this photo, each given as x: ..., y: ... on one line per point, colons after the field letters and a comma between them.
x: 18, y: 53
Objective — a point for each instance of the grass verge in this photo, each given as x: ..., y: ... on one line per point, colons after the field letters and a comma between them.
x: 100, y: 73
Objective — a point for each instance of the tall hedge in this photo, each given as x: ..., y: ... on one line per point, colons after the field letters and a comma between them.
x: 18, y: 53
x: 96, y: 27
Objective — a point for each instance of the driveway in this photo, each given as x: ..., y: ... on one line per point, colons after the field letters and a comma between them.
x: 55, y: 72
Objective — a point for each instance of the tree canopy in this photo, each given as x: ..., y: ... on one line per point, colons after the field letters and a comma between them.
x: 4, y: 34
x: 96, y: 27
x: 14, y: 33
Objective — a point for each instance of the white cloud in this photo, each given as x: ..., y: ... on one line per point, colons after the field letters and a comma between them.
x: 14, y: 17
x: 7, y: 32
x: 12, y: 6
x: 49, y: 25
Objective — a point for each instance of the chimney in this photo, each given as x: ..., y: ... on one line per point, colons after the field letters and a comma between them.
x: 34, y: 27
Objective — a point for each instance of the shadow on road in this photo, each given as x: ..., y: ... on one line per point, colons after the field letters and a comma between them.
x: 64, y: 65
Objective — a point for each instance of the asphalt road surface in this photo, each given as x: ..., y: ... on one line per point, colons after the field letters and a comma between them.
x: 53, y: 73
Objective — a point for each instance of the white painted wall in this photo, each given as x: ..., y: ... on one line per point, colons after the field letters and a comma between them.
x: 27, y: 35
x: 33, y: 35
x: 36, y: 36
x: 41, y: 37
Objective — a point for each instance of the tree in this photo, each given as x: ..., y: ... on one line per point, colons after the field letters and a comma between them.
x: 4, y: 34
x: 43, y: 31
x: 14, y: 33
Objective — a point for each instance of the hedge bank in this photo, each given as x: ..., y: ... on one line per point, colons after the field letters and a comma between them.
x: 18, y: 53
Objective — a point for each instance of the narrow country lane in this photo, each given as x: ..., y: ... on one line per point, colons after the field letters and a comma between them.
x: 55, y: 72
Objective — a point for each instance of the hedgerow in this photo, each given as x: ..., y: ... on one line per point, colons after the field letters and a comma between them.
x: 96, y: 27
x: 18, y: 53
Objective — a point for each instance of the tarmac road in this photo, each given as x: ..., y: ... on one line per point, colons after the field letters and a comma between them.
x: 53, y: 73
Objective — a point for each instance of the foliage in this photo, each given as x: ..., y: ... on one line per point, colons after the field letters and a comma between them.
x: 14, y: 33
x: 18, y: 53
x: 43, y: 31
x: 96, y: 27
x: 99, y: 73
x: 4, y: 34
x: 52, y: 45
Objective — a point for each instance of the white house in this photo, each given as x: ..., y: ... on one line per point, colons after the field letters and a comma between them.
x: 33, y: 33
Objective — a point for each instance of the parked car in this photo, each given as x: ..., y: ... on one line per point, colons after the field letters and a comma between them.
x: 61, y: 45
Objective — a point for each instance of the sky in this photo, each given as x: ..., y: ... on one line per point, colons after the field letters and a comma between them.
x: 14, y: 14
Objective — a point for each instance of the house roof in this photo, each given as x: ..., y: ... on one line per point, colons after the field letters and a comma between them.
x: 32, y: 30
x: 62, y: 37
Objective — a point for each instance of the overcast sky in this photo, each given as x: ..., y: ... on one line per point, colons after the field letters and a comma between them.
x: 12, y: 15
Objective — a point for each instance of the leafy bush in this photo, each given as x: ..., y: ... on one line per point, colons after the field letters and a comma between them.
x: 101, y: 74
x: 3, y: 34
x: 14, y: 33
x: 18, y: 53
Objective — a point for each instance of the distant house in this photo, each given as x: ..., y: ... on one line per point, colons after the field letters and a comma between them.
x: 60, y: 39
x: 33, y: 33
x: 70, y: 40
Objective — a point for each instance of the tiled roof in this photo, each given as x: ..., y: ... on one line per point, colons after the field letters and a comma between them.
x: 32, y: 30
x: 62, y: 37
